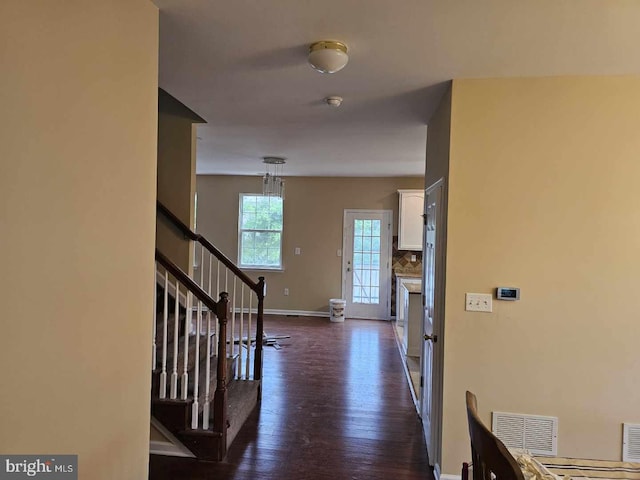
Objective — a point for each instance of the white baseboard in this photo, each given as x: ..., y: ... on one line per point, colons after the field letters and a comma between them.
x: 294, y: 313
x: 301, y: 313
x: 444, y: 476
x: 297, y: 313
x: 448, y: 476
x: 309, y: 313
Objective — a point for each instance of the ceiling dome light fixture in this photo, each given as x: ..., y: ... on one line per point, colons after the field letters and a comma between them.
x: 328, y: 56
x: 333, y: 101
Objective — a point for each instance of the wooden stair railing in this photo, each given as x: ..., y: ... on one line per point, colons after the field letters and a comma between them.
x: 221, y: 309
x: 182, y: 412
x: 201, y: 406
x: 259, y: 287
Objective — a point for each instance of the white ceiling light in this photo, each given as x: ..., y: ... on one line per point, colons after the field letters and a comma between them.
x: 333, y: 101
x: 328, y: 56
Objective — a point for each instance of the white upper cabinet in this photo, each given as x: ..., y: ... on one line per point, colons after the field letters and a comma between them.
x: 410, y: 220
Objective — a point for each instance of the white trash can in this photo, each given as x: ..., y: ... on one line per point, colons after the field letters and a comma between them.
x: 336, y: 309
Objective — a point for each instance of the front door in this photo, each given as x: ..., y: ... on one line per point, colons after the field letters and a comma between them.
x: 430, y: 377
x: 366, y: 263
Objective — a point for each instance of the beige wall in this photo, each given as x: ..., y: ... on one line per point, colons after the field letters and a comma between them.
x: 438, y: 142
x: 543, y: 195
x: 313, y: 216
x: 176, y: 176
x: 77, y: 192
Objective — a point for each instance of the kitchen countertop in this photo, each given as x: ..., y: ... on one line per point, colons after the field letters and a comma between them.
x: 413, y: 283
x: 409, y: 274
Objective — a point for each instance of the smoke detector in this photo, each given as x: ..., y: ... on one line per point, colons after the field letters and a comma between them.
x: 333, y: 101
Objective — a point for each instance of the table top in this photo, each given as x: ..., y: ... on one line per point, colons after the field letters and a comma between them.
x: 537, y: 467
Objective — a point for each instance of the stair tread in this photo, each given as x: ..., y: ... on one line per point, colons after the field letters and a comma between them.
x: 237, y: 392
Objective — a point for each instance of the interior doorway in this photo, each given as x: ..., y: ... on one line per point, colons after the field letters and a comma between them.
x: 433, y: 320
x: 366, y: 263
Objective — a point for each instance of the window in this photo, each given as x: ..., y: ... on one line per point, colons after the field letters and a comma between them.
x: 260, y: 231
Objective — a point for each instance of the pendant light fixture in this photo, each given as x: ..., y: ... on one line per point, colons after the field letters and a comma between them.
x: 272, y: 182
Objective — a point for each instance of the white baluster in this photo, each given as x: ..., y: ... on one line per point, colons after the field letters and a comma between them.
x: 187, y: 327
x: 217, y: 296
x: 241, y: 329
x: 202, y: 266
x: 176, y: 320
x: 165, y: 318
x: 154, y: 348
x: 209, y: 282
x: 249, y: 338
x: 207, y: 385
x: 217, y: 279
x: 209, y: 333
x: 196, y: 373
x: 226, y: 289
x: 233, y: 321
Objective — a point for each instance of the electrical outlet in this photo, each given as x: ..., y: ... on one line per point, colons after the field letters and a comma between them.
x: 478, y: 302
x: 297, y: 251
x: 286, y: 292
x: 414, y: 258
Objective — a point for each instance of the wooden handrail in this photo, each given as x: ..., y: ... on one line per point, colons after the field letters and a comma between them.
x: 184, y: 279
x: 188, y: 233
x: 179, y: 224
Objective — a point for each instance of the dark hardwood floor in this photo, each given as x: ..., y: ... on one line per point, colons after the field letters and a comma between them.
x: 336, y: 405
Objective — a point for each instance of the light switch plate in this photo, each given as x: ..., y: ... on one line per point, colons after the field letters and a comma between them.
x: 478, y: 302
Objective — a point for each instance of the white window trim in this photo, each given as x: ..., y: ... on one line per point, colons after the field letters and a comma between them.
x: 257, y: 268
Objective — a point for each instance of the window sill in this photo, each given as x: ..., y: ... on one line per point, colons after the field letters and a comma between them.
x: 259, y: 269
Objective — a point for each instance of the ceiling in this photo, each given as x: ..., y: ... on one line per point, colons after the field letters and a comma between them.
x: 241, y: 65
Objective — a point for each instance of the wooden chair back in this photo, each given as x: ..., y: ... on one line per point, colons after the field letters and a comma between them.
x: 489, y: 455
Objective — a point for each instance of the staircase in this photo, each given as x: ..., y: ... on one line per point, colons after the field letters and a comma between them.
x: 207, y: 354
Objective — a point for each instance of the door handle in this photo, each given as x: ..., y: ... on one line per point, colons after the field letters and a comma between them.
x: 433, y: 338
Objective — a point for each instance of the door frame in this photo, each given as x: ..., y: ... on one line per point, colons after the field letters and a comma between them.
x: 387, y: 216
x: 438, y: 322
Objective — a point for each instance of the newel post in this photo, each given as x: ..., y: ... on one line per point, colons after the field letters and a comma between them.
x: 261, y: 292
x: 220, y: 397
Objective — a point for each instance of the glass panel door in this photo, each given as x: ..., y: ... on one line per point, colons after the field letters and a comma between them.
x: 366, y: 262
